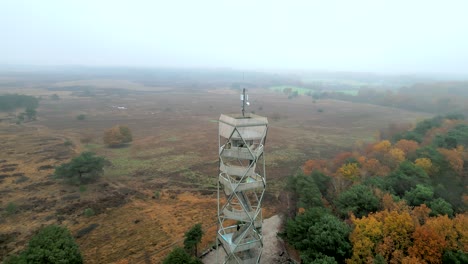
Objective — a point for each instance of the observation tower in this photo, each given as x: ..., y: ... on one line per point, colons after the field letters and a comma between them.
x: 241, y: 185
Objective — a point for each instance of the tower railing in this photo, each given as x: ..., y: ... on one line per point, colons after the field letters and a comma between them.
x: 241, y: 186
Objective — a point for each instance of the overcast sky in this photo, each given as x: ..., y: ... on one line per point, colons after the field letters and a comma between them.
x: 407, y: 36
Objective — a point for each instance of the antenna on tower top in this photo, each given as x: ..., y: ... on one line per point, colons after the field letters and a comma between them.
x: 245, y: 101
x: 244, y: 97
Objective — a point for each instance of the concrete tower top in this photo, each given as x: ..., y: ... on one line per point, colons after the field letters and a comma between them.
x: 249, y: 127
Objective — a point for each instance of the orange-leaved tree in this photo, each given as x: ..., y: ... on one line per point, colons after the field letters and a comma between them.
x: 454, y: 157
x: 117, y: 135
x: 428, y: 245
x: 437, y: 235
x: 341, y: 158
x: 420, y: 214
x: 312, y: 165
x: 408, y: 146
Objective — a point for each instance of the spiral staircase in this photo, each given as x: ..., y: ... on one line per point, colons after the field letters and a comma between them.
x: 241, y: 186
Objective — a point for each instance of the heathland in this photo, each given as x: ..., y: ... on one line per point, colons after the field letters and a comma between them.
x: 154, y: 188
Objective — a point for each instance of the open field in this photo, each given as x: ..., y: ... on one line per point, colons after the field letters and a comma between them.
x: 174, y: 152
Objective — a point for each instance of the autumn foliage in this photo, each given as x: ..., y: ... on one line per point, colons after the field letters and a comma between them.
x: 407, y: 146
x: 117, y: 135
x: 349, y: 171
x: 454, y: 157
x: 311, y: 165
x: 398, y: 238
x: 425, y: 164
x: 403, y: 197
x: 382, y: 146
x: 395, y: 156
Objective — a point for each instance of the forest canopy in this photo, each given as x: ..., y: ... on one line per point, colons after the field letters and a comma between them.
x: 397, y: 200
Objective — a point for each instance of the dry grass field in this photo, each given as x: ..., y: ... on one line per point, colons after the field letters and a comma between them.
x: 174, y: 152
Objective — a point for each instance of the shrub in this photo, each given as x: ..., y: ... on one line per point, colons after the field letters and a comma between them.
x: 117, y: 135
x: 54, y: 97
x: 81, y: 117
x: 88, y: 212
x: 82, y: 188
x: 21, y: 179
x: 157, y: 194
x: 11, y: 208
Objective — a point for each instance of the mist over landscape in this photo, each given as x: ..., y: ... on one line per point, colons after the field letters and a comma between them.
x: 116, y: 146
x: 352, y: 36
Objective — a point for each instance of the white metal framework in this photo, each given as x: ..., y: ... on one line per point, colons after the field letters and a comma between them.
x: 242, y: 180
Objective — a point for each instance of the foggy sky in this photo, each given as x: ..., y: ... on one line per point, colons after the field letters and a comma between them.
x: 407, y: 36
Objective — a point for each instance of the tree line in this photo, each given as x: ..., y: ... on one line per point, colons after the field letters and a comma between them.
x: 10, y: 102
x: 416, y: 98
x: 386, y: 201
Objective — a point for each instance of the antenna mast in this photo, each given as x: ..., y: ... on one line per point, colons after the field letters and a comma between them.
x: 242, y: 182
x: 245, y: 101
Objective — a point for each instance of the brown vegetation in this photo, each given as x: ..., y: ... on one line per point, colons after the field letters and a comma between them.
x: 117, y: 135
x: 173, y: 152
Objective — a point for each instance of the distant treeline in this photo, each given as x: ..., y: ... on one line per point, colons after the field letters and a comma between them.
x: 13, y: 101
x: 165, y: 77
x: 439, y: 98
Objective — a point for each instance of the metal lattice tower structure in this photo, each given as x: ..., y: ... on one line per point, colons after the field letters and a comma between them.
x: 241, y: 186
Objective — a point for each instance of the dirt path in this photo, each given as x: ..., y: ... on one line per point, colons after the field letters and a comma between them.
x: 273, y: 246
